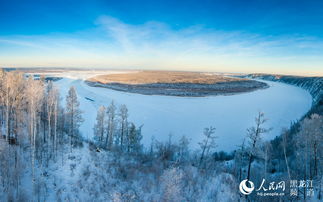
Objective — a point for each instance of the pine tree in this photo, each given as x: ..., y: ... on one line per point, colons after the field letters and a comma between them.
x: 134, y: 138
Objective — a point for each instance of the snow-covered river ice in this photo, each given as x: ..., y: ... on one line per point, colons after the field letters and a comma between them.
x: 164, y: 115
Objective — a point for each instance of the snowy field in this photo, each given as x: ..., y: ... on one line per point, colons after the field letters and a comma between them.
x: 164, y: 115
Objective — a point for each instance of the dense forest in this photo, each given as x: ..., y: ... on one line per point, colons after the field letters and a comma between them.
x: 44, y: 156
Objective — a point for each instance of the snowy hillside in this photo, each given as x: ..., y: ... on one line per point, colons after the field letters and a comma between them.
x: 312, y: 84
x: 43, y: 155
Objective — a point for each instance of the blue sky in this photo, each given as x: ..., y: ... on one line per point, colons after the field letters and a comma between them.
x: 273, y: 36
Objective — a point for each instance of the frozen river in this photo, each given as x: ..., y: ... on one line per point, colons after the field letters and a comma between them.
x: 164, y: 115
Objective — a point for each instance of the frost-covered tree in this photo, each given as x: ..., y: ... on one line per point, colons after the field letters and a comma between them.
x: 183, y: 148
x: 99, y: 127
x: 134, y: 138
x: 20, y: 108
x: 172, y: 184
x: 111, y: 125
x: 13, y: 100
x: 208, y: 143
x: 52, y: 101
x: 254, y: 134
x: 2, y: 97
x: 34, y: 93
x: 308, y: 144
x: 73, y: 114
x: 123, y: 114
x: 284, y: 145
x: 240, y: 159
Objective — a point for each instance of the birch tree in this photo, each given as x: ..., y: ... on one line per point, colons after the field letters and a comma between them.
x: 123, y: 113
x: 99, y: 128
x: 34, y: 94
x: 111, y: 125
x: 13, y: 95
x: 52, y: 100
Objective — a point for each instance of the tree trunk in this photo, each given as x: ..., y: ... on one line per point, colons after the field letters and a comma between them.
x: 55, y: 125
x: 285, y: 155
x: 203, y: 151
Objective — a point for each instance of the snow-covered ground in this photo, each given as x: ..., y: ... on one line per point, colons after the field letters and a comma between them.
x: 164, y: 115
